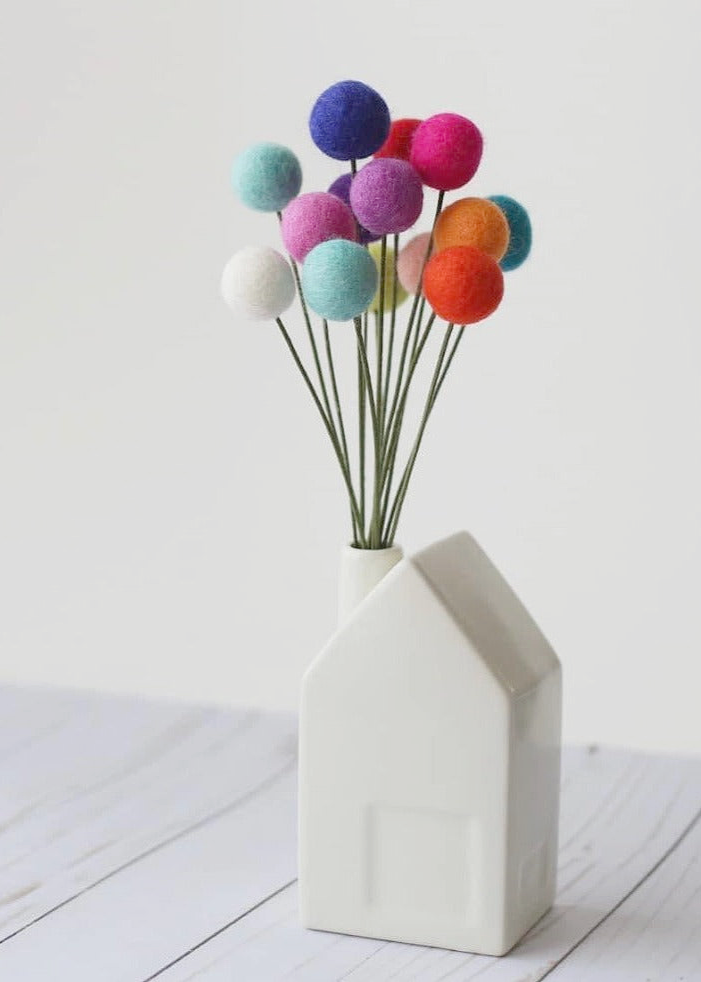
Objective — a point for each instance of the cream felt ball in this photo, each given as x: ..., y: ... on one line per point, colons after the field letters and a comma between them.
x: 341, y: 188
x: 399, y: 294
x: 313, y: 218
x: 258, y: 283
x: 387, y: 195
x: 446, y: 150
x: 266, y: 176
x: 411, y: 261
x: 521, y: 235
x: 339, y: 279
x: 349, y: 121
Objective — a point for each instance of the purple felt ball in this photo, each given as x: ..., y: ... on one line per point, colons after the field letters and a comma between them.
x: 387, y: 195
x: 313, y: 218
x: 341, y: 188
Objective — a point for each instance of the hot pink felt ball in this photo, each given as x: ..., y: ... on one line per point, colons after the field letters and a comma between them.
x: 314, y: 218
x: 411, y: 260
x: 446, y: 151
x: 387, y: 195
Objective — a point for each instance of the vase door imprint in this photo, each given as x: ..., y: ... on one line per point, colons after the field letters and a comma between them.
x: 429, y: 761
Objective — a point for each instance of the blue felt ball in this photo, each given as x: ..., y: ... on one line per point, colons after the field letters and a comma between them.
x: 339, y: 279
x: 520, y: 232
x: 266, y: 176
x: 349, y: 121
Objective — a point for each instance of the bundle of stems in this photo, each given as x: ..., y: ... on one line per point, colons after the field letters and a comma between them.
x: 377, y: 492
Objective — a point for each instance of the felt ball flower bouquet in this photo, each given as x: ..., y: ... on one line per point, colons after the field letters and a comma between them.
x: 348, y: 259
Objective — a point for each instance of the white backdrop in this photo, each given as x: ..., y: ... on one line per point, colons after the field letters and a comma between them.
x: 170, y: 512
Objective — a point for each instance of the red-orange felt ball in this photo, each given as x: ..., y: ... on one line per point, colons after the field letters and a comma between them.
x: 463, y: 284
x: 398, y: 142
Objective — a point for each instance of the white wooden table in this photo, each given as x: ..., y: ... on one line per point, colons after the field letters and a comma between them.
x: 149, y: 841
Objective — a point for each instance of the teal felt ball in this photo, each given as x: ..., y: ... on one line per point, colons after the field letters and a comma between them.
x: 339, y: 279
x: 520, y: 232
x: 266, y: 176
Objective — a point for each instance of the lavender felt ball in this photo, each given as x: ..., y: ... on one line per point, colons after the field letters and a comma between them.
x: 257, y: 282
x: 387, y: 195
x: 266, y: 176
x: 349, y: 120
x: 341, y: 188
x: 313, y: 218
x: 339, y: 279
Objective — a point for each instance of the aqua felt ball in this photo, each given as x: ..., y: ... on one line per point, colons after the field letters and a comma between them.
x: 387, y: 195
x: 313, y: 218
x: 398, y: 142
x: 339, y: 279
x: 257, y: 282
x: 266, y: 176
x: 521, y: 233
x: 349, y: 121
x: 341, y: 188
x: 446, y: 150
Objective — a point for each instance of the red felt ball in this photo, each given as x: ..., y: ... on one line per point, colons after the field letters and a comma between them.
x: 398, y: 143
x: 463, y: 284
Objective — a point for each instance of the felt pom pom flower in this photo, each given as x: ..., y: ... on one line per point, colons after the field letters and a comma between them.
x: 393, y: 294
x: 478, y: 222
x: 520, y: 234
x: 266, y: 176
x: 352, y: 269
x: 387, y: 195
x: 339, y: 279
x: 446, y: 151
x: 349, y: 121
x: 257, y: 282
x: 313, y: 218
x: 398, y: 142
x: 341, y: 188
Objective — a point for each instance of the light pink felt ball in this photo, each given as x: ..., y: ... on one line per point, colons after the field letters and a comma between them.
x: 314, y: 218
x: 446, y: 151
x: 411, y: 260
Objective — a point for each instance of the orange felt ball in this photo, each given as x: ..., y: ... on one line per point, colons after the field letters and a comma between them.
x: 463, y: 284
x: 475, y: 222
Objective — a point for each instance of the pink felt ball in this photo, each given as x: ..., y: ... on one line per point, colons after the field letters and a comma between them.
x: 387, y: 196
x: 314, y: 218
x: 446, y: 151
x: 411, y: 260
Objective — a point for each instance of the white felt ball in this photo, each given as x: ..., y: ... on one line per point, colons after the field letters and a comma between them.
x: 258, y: 283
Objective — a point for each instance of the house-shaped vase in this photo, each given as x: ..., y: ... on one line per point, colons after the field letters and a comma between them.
x: 430, y: 761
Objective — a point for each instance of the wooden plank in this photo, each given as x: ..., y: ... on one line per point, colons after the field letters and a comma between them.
x: 134, y: 922
x: 112, y: 780
x: 157, y: 833
x: 655, y: 933
x: 620, y: 813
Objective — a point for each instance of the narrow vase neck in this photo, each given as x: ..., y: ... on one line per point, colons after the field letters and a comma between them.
x: 361, y: 571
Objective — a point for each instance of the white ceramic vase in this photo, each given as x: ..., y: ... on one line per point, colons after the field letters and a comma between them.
x: 429, y: 756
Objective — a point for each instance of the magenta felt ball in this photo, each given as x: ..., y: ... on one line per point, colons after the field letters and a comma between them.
x: 313, y: 218
x: 446, y: 151
x: 387, y: 196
